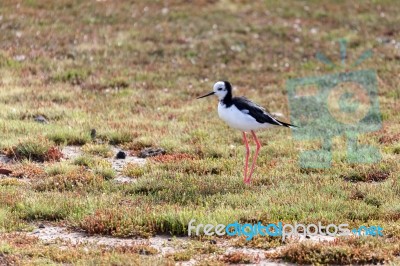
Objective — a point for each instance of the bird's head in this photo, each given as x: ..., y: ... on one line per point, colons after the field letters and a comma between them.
x: 221, y: 89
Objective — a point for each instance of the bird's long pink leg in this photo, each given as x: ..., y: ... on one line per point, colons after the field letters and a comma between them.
x: 255, y: 155
x: 247, y: 156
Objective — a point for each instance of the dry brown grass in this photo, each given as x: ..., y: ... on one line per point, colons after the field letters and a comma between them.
x: 341, y: 251
x: 166, y: 158
x: 237, y: 258
x: 132, y: 71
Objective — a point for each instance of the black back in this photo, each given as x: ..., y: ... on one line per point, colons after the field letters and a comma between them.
x: 256, y: 111
x: 245, y: 105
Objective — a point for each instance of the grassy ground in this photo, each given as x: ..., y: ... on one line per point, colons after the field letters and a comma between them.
x: 132, y: 71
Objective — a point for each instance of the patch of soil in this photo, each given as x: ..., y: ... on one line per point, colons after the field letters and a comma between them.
x: 71, y: 152
x: 163, y: 244
x: 119, y: 164
x: 50, y: 234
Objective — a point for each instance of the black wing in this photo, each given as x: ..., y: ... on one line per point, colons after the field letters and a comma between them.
x: 259, y: 113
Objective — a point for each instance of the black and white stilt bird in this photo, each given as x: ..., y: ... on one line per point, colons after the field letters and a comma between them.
x: 245, y: 115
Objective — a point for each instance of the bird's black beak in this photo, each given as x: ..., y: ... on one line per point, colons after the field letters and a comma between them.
x: 208, y: 94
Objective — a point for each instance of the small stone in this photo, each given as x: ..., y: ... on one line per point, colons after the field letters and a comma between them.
x: 215, y: 171
x: 169, y: 239
x: 144, y: 252
x: 71, y: 55
x: 121, y: 155
x: 41, y: 226
x: 150, y: 152
x: 41, y: 119
x: 93, y: 133
x: 4, y: 171
x: 20, y: 57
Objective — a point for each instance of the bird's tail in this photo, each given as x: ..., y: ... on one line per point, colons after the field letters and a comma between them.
x: 288, y: 125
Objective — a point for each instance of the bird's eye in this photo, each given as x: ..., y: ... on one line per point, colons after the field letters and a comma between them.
x: 220, y: 89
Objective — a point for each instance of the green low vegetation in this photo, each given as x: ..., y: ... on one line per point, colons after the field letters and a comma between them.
x: 132, y: 71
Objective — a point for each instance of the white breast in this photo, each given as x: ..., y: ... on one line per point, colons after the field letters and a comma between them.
x: 239, y: 119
